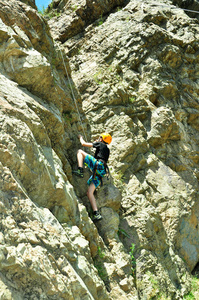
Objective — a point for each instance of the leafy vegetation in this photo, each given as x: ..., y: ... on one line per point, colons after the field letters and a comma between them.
x: 133, y: 261
x: 98, y: 77
x: 100, y: 21
x: 194, y: 293
x: 123, y: 232
x: 74, y: 7
x: 99, y: 265
x: 132, y: 99
x: 42, y: 11
x: 67, y: 117
x: 49, y: 12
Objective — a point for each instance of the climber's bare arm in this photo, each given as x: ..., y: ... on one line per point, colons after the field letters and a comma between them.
x: 85, y: 144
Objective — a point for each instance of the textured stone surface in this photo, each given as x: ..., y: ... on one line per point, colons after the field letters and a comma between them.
x: 137, y: 74
x: 133, y: 69
x: 77, y: 15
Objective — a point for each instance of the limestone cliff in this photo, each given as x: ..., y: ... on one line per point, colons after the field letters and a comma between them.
x: 127, y: 67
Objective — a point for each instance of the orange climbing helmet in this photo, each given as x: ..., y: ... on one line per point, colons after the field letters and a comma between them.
x: 106, y: 137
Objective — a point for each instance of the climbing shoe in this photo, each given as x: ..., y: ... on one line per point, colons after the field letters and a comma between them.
x: 97, y: 216
x: 78, y: 173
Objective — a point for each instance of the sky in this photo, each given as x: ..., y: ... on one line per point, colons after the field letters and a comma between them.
x: 42, y: 3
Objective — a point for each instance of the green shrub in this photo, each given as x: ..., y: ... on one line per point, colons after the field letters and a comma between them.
x: 133, y: 261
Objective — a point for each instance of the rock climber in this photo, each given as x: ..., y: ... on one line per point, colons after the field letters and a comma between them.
x: 97, y: 164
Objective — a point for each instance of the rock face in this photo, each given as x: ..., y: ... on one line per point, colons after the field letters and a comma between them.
x: 126, y: 67
x: 77, y: 15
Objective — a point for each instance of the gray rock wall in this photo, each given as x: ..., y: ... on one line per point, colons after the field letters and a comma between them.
x: 133, y: 70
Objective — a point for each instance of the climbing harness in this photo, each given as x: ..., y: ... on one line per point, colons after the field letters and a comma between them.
x: 105, y: 167
x: 73, y: 95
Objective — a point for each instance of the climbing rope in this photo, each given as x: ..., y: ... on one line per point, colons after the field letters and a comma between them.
x: 73, y: 95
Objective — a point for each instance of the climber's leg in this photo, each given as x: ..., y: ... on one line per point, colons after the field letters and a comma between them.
x: 80, y: 157
x: 80, y: 160
x: 90, y: 194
